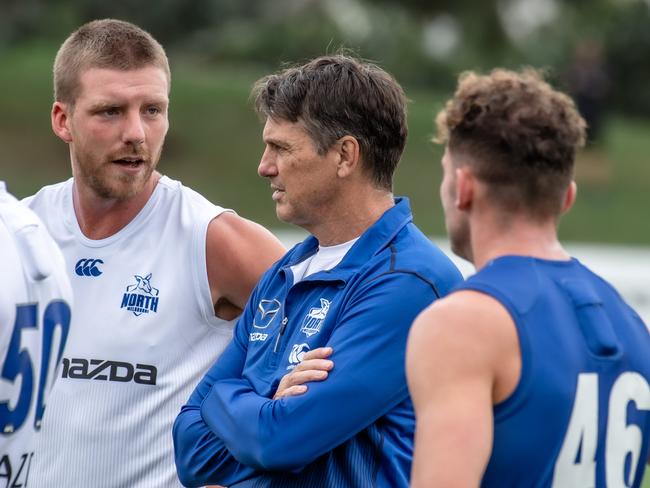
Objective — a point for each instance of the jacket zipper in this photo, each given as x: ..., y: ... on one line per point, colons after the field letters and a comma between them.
x: 283, y: 327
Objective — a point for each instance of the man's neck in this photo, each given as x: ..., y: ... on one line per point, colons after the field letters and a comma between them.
x: 352, y: 216
x: 100, y: 218
x: 514, y: 236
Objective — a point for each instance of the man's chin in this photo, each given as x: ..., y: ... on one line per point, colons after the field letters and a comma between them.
x: 120, y: 189
x: 462, y: 249
x: 284, y: 214
x: 280, y: 215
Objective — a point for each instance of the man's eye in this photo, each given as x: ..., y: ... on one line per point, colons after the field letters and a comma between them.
x: 110, y: 112
x: 153, y: 110
x: 276, y: 147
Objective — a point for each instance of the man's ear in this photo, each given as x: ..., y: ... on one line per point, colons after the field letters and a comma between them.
x: 349, y: 154
x: 465, y: 187
x: 570, y: 196
x: 60, y: 116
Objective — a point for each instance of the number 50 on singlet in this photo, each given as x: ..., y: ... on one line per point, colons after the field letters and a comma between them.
x: 18, y: 362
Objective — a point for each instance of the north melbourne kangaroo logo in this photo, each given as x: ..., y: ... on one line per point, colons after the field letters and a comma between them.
x: 313, y: 321
x: 141, y: 297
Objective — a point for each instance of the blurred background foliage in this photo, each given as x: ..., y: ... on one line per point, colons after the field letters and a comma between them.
x: 597, y: 49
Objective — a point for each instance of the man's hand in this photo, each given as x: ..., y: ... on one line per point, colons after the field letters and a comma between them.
x: 313, y: 367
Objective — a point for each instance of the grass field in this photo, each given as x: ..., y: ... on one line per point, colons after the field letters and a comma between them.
x: 214, y: 146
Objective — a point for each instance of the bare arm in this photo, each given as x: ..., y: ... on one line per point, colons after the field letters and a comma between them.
x: 238, y: 252
x: 461, y: 359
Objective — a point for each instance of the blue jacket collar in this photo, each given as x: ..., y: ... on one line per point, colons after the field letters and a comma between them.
x: 373, y: 240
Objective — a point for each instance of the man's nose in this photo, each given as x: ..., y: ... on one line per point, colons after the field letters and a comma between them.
x: 267, y: 166
x: 134, y: 129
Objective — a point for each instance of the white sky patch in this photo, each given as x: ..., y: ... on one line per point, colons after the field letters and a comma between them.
x: 351, y: 17
x: 441, y: 36
x: 521, y: 18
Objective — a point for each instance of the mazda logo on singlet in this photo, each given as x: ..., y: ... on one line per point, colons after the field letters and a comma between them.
x: 88, y: 267
x: 107, y: 370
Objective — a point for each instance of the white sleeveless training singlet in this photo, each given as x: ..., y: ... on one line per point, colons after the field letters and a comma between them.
x: 143, y: 334
x: 35, y: 301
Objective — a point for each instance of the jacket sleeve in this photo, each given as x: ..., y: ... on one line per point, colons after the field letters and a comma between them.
x: 201, y: 456
x: 367, y: 381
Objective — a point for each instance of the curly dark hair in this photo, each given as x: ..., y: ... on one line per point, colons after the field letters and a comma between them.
x: 338, y: 95
x: 519, y: 135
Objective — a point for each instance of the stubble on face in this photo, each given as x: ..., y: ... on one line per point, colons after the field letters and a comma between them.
x: 460, y: 239
x: 110, y: 157
x: 303, y: 180
x: 456, y: 222
x: 108, y: 182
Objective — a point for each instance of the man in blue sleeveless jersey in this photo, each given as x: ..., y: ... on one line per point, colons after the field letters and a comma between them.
x: 534, y: 372
x: 312, y: 390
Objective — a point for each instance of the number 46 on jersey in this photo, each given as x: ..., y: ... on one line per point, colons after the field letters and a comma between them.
x: 576, y: 464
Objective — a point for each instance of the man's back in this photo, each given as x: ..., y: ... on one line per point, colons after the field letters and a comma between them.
x: 35, y: 299
x: 584, y: 378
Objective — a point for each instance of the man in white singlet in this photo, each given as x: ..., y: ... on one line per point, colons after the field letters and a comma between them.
x: 158, y: 272
x: 35, y: 300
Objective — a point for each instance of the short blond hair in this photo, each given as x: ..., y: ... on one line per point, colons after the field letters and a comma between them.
x: 107, y: 43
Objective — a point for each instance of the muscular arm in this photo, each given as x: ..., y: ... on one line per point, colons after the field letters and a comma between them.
x: 462, y: 357
x: 238, y: 251
x: 367, y: 381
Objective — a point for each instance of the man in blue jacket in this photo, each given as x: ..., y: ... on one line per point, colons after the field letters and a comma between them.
x: 312, y: 390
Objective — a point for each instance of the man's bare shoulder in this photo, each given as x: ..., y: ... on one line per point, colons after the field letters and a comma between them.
x: 461, y: 313
x: 238, y: 252
x: 234, y: 234
x: 464, y: 331
x: 467, y: 334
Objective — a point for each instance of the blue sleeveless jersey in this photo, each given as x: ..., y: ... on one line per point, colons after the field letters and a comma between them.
x: 580, y: 415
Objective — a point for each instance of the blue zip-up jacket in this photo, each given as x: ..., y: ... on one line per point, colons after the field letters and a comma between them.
x: 355, y: 429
